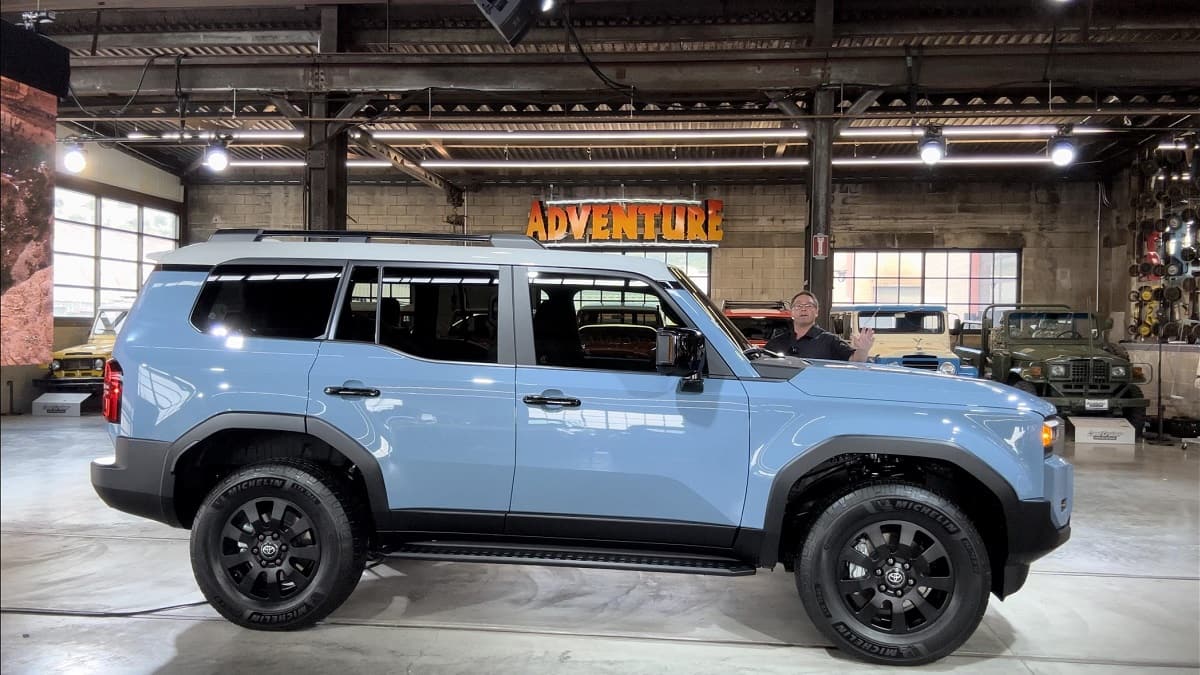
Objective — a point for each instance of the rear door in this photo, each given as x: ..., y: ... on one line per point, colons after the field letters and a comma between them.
x: 420, y: 373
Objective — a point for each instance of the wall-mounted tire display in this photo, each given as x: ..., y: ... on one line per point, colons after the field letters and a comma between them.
x: 1172, y: 294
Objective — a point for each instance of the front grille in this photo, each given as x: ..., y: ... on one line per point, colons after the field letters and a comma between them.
x: 1088, y: 376
x: 919, y: 361
x: 77, y: 364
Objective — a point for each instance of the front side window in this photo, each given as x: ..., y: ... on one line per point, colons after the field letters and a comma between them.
x: 439, y: 314
x: 601, y: 322
x: 267, y: 301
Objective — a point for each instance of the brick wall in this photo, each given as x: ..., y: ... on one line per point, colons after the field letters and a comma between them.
x: 762, y: 255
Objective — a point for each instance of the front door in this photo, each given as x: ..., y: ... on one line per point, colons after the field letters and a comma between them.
x: 607, y: 448
x: 420, y: 372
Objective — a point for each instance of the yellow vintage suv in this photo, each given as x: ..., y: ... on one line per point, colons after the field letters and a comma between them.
x: 82, y: 366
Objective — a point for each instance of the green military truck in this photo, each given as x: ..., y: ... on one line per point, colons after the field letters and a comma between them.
x: 1058, y: 354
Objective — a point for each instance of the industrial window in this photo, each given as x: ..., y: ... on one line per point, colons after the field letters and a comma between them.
x: 963, y: 281
x: 695, y: 263
x: 101, y: 247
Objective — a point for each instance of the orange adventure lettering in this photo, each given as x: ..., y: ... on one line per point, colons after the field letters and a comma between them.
x: 619, y: 221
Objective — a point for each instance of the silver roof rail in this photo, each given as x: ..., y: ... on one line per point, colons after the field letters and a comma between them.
x: 363, y: 236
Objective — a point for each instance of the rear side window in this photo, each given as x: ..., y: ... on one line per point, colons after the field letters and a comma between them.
x: 275, y: 301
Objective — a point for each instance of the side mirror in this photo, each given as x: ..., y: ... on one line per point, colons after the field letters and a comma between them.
x: 680, y: 351
x: 957, y: 328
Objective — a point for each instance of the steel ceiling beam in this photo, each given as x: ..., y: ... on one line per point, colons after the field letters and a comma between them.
x: 992, y: 68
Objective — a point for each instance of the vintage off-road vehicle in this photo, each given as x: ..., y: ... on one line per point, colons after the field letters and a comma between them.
x: 913, y: 336
x: 1057, y: 354
x: 264, y: 396
x: 82, y: 367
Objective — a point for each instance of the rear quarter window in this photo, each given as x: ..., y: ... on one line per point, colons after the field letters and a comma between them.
x: 268, y: 301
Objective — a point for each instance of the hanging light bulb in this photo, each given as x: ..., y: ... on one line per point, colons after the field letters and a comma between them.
x: 75, y: 159
x: 216, y: 158
x: 932, y: 147
x: 1062, y: 150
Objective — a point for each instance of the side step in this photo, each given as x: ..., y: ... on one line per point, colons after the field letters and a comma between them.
x: 573, y: 557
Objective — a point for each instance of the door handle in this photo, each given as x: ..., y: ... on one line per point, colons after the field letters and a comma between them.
x: 564, y: 401
x: 352, y: 391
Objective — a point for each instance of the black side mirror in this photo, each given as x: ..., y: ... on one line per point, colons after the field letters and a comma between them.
x: 680, y: 351
x: 957, y: 328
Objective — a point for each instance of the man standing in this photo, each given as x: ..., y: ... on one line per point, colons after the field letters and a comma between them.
x: 810, y: 341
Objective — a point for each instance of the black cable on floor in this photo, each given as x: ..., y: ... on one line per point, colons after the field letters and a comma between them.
x: 93, y: 614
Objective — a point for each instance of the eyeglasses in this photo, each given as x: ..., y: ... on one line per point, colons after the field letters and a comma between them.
x: 806, y: 305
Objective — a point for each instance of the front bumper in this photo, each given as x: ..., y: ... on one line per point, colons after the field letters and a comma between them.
x: 60, y: 383
x: 136, y: 480
x: 1038, y: 526
x: 1076, y: 404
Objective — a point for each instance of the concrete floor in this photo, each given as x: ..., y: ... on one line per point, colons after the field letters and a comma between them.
x: 82, y: 587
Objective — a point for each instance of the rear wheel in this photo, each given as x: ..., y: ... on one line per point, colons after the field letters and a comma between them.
x: 894, y: 574
x: 278, y: 545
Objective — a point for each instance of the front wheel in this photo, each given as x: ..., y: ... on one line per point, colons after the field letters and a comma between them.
x: 1135, y: 416
x: 894, y: 574
x: 278, y: 545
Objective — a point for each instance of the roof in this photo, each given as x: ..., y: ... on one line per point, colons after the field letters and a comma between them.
x: 209, y: 254
x: 889, y: 308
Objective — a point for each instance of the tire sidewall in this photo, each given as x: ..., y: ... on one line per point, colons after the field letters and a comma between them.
x: 319, y: 505
x: 816, y: 574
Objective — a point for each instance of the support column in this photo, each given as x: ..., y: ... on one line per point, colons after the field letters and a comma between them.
x: 325, y: 160
x: 818, y: 273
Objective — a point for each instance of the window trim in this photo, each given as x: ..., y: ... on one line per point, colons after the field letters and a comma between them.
x: 505, y: 340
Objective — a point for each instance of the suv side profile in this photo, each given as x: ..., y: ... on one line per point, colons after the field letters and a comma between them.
x: 301, y: 405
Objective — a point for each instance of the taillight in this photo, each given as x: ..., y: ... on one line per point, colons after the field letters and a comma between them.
x: 111, y: 401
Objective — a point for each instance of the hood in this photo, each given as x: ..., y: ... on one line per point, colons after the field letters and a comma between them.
x: 1045, y: 352
x: 902, y: 344
x: 870, y: 382
x: 97, y: 347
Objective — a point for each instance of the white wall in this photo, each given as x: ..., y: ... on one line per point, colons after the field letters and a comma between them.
x: 113, y: 167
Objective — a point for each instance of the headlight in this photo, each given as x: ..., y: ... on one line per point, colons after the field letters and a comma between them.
x: 1119, y: 371
x: 55, y: 365
x: 98, y: 364
x: 1052, y: 434
x: 947, y: 367
x: 1058, y: 371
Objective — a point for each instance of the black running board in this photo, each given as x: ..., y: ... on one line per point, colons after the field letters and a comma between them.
x: 573, y: 557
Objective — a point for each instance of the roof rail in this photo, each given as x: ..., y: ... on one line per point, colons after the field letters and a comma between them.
x: 753, y: 304
x: 363, y: 236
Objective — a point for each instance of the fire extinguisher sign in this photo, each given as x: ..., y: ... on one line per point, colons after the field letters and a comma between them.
x: 820, y: 246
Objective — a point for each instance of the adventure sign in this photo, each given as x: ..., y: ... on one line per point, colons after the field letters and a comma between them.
x: 623, y: 221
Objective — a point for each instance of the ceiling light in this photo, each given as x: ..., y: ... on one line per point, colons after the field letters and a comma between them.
x: 1061, y: 150
x: 933, y: 147
x: 614, y: 164
x: 216, y: 157
x: 650, y: 135
x: 1046, y: 130
x: 547, y: 5
x: 1172, y: 145
x: 75, y: 159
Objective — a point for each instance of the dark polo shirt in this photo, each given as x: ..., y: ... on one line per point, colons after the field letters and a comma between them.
x: 815, y: 344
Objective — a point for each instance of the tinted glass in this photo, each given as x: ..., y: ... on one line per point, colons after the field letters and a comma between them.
x: 267, y: 300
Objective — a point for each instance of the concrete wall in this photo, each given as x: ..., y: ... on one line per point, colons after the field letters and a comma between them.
x: 762, y: 256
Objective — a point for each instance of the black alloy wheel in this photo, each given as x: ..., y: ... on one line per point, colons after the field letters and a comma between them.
x: 895, y: 574
x: 278, y: 545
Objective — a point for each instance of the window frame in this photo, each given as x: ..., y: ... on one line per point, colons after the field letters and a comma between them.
x: 505, y: 339
x: 101, y: 192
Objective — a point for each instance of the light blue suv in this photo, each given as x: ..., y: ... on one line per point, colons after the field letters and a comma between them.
x: 301, y: 405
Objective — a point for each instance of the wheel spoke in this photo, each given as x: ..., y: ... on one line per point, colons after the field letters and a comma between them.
x: 230, y: 560
x: 235, y: 533
x: 939, y: 583
x: 299, y: 527
x: 899, y: 622
x: 933, y: 553
x: 874, y: 533
x: 856, y: 557
x: 850, y: 586
x: 248, y: 579
x: 273, y: 585
x: 869, y: 611
x: 907, y: 532
x: 251, y: 514
x: 278, y: 507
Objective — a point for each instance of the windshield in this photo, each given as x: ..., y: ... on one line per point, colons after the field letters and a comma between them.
x: 1050, y: 325
x: 713, y: 312
x: 761, y: 328
x: 109, y: 322
x: 927, y: 322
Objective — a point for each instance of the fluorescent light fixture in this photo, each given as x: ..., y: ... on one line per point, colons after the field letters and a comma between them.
x: 932, y: 148
x: 139, y: 136
x: 547, y: 5
x: 1173, y: 145
x: 1034, y: 130
x: 651, y: 135
x: 1061, y: 150
x: 75, y: 159
x: 368, y: 164
x: 979, y: 160
x: 216, y: 158
x: 248, y: 135
x: 266, y: 163
x: 607, y: 164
